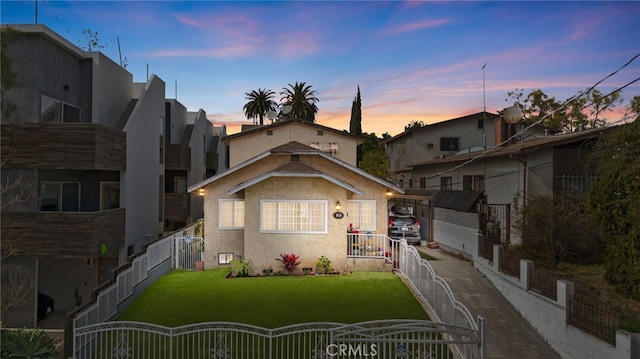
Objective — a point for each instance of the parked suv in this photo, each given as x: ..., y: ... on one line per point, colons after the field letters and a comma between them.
x: 403, y: 225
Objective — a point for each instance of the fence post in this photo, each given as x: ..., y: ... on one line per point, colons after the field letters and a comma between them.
x: 496, y: 258
x: 483, y: 340
x: 526, y: 266
x: 564, y: 297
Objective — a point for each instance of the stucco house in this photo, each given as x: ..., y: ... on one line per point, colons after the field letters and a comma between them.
x: 292, y: 187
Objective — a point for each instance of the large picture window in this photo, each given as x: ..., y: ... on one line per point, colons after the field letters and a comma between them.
x: 231, y: 214
x: 60, y: 196
x: 362, y: 214
x: 292, y: 216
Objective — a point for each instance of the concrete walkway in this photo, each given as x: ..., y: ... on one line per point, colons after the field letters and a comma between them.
x: 507, y: 333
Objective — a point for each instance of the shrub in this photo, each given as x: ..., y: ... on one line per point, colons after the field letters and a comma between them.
x: 27, y: 343
x: 559, y: 230
x: 323, y: 263
x: 289, y: 261
x: 241, y: 268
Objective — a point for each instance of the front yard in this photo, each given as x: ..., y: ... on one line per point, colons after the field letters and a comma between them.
x: 182, y: 297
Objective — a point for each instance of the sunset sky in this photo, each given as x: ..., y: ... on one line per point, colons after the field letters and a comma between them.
x: 413, y: 61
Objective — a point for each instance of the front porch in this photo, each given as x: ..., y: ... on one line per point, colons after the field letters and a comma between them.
x: 371, y: 252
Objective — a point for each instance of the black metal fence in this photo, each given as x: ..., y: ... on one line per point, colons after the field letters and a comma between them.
x: 592, y: 317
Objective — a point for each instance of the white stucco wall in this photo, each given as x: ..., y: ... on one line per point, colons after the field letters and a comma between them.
x: 140, y: 185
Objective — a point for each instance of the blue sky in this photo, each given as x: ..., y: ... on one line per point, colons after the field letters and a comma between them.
x: 414, y: 60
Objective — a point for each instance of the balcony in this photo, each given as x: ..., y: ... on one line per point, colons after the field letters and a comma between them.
x: 72, y: 234
x: 177, y: 157
x: 63, y: 146
x: 177, y: 206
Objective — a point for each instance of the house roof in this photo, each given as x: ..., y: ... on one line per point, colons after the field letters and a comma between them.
x: 473, y: 116
x: 461, y: 201
x: 296, y: 169
x: 517, y: 148
x: 253, y: 129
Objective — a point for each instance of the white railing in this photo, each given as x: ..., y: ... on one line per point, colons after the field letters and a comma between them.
x: 375, y: 339
x: 456, y: 332
x: 111, y: 298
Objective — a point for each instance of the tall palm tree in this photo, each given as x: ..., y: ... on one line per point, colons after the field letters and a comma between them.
x: 260, y: 102
x: 302, y: 100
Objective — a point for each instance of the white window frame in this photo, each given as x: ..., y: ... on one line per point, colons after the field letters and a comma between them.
x: 237, y: 218
x: 279, y: 221
x: 225, y: 257
x: 354, y: 213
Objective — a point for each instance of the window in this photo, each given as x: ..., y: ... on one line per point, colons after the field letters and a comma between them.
x: 410, y: 182
x: 446, y: 183
x: 423, y: 183
x: 362, y: 214
x: 269, y: 132
x: 180, y: 185
x: 320, y: 133
x: 293, y: 216
x: 52, y: 110
x: 109, y: 195
x: 161, y: 198
x: 480, y: 124
x: 231, y: 214
x: 60, y: 196
x: 449, y: 144
x: 225, y: 258
x: 467, y: 183
x: 161, y: 140
x: 401, y: 183
x: 429, y: 146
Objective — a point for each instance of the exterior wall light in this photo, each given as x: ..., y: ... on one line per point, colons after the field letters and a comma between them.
x: 338, y: 205
x: 201, y: 192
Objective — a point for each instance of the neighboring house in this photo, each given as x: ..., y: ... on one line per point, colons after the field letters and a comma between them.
x: 85, y: 146
x: 539, y: 165
x: 281, y: 193
x: 468, y: 133
x: 190, y: 157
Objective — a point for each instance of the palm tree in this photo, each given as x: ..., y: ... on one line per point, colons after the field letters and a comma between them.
x: 260, y: 102
x: 302, y: 100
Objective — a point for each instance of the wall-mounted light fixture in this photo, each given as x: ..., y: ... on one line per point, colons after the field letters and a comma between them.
x: 389, y: 193
x: 201, y: 192
x: 338, y: 205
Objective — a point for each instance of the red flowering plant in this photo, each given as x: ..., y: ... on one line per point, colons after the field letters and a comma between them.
x: 289, y: 261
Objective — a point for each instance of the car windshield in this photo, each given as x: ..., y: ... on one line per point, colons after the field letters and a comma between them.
x: 403, y: 221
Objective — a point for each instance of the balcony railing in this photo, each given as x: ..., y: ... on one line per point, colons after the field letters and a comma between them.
x: 77, y: 234
x: 63, y: 146
x: 177, y: 157
x: 177, y: 206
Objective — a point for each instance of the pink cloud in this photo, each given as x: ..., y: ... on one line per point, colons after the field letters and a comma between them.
x: 412, y: 26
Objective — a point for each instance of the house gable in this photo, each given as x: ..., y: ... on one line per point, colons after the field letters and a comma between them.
x: 245, y: 145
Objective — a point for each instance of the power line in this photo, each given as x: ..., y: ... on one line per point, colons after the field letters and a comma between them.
x: 562, y: 106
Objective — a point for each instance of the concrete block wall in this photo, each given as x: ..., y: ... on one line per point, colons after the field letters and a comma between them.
x: 456, y: 232
x: 548, y: 316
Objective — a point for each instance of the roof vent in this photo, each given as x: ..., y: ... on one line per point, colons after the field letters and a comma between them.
x: 295, y: 158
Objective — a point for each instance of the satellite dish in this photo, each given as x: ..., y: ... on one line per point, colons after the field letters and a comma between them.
x: 286, y: 109
x: 512, y: 114
x: 271, y: 114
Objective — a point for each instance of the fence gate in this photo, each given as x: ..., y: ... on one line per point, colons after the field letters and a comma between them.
x: 188, y: 251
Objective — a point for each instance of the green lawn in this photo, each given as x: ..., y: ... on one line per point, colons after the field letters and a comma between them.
x: 180, y: 298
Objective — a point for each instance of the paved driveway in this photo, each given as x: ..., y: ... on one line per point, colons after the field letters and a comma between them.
x: 508, y: 334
